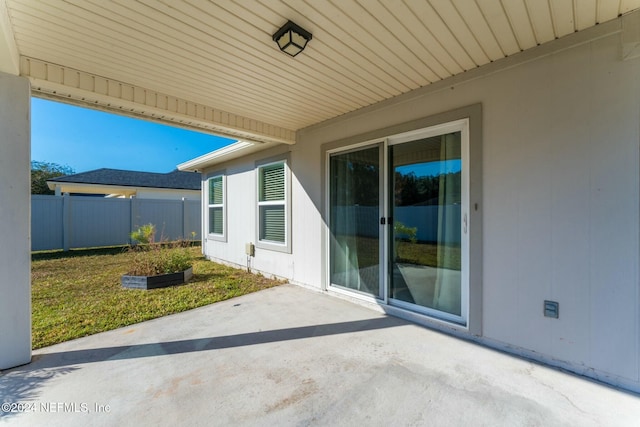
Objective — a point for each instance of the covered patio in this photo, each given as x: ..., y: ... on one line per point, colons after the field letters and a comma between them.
x: 546, y: 95
x: 288, y: 356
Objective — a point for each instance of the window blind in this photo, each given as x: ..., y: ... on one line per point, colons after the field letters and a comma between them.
x: 215, y: 190
x: 273, y: 223
x: 272, y: 183
x: 216, y: 220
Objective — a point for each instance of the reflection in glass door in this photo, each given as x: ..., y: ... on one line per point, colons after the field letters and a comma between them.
x: 354, y: 205
x: 426, y: 201
x: 398, y: 221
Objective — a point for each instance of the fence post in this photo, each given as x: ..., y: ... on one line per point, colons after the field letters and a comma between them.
x: 132, y: 215
x: 184, y: 218
x: 66, y: 221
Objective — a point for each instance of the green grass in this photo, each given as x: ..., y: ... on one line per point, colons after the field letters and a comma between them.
x: 419, y: 253
x: 78, y: 293
x: 427, y: 254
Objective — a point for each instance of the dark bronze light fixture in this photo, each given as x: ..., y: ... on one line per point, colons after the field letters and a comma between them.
x: 291, y: 38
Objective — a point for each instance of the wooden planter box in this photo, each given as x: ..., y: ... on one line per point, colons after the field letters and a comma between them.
x: 155, y: 282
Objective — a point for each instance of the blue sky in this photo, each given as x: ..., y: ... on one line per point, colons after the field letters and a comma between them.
x: 85, y: 139
x: 432, y: 168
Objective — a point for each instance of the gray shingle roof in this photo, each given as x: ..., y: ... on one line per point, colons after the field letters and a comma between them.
x: 176, y: 179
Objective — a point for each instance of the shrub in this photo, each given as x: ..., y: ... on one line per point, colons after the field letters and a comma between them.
x: 144, y: 235
x: 151, y: 258
x: 410, y: 233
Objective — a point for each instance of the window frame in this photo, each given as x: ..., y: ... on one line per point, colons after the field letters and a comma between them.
x: 221, y: 237
x: 259, y: 166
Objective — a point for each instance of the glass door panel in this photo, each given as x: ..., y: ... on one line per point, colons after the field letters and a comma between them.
x: 426, y: 238
x: 354, y: 220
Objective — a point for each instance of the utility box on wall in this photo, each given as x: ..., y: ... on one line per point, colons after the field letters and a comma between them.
x: 250, y: 249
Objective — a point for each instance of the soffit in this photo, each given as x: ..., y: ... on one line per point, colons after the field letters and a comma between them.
x: 214, y: 62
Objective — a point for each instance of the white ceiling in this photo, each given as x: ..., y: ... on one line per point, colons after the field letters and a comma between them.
x: 213, y: 64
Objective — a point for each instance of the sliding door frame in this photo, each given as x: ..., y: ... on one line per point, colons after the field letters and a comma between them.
x: 461, y: 126
x: 473, y: 114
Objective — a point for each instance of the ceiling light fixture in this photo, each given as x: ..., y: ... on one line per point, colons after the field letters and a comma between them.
x: 291, y: 38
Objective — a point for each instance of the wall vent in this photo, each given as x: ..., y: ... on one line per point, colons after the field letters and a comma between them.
x: 551, y: 309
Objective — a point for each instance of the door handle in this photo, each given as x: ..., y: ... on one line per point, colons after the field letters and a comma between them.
x: 384, y: 221
x: 464, y: 223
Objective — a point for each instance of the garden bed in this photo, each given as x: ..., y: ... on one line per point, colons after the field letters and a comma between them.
x: 158, y: 281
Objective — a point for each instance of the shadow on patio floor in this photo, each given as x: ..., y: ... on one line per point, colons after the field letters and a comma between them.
x: 92, y: 355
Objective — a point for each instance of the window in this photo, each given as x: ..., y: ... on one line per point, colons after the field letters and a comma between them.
x: 273, y: 205
x: 216, y: 207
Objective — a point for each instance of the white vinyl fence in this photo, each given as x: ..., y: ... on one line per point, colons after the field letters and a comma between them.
x: 67, y: 222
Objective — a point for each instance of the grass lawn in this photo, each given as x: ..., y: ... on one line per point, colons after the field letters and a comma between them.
x: 419, y: 253
x: 78, y: 293
x: 427, y: 254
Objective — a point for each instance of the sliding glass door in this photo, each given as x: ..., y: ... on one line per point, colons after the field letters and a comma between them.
x: 398, y: 221
x: 354, y: 213
x: 426, y: 239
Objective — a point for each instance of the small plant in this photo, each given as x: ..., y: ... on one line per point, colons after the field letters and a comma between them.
x: 153, y: 258
x: 144, y: 235
x: 411, y: 233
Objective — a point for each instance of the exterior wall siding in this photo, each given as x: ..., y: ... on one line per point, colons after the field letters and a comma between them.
x: 241, y: 211
x: 560, y: 205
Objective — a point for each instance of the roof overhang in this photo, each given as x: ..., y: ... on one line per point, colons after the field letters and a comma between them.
x: 214, y: 67
x: 73, y: 86
x: 230, y: 152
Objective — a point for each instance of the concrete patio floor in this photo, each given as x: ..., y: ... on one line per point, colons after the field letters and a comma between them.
x: 290, y: 356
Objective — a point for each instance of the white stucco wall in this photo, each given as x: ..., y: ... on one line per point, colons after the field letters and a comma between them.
x: 560, y: 202
x: 15, y: 248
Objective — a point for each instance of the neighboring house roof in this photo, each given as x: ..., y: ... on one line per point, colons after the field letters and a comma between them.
x: 123, y: 178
